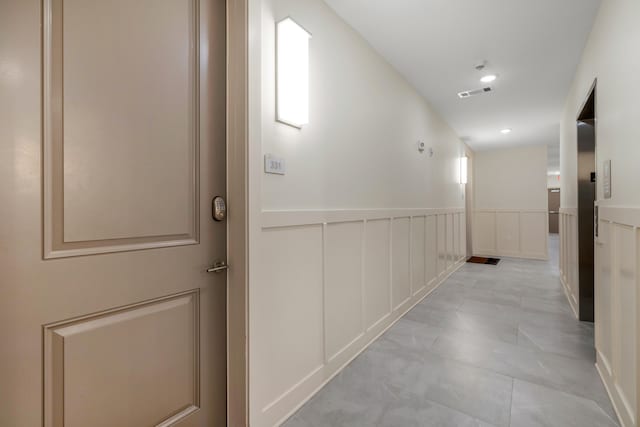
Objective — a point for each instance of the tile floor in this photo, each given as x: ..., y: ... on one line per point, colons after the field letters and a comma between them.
x: 493, y: 346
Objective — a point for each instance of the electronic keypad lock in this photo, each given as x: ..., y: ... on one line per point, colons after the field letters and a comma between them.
x: 219, y: 208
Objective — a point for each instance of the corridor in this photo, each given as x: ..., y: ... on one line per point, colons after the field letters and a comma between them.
x: 259, y: 213
x: 492, y: 346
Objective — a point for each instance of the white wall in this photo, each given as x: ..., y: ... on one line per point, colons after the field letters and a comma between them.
x: 360, y: 228
x: 610, y: 56
x: 359, y: 149
x: 511, y: 202
x: 553, y: 181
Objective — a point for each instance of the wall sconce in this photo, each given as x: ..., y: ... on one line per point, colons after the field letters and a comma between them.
x: 292, y: 73
x: 463, y: 169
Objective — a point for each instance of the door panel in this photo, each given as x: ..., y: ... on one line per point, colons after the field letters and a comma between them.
x: 142, y: 113
x: 120, y: 124
x: 145, y: 353
x: 554, y: 210
x: 107, y: 170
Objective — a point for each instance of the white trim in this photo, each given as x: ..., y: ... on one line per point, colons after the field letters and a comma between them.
x: 291, y: 218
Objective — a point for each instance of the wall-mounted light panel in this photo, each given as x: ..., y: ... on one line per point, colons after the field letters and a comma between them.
x: 463, y: 169
x: 292, y: 73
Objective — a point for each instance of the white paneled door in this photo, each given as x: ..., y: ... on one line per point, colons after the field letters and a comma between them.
x: 112, y: 146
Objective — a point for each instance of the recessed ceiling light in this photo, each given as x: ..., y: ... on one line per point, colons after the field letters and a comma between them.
x: 505, y: 131
x: 488, y: 78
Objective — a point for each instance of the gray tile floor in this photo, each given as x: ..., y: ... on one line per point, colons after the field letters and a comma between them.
x: 493, y: 346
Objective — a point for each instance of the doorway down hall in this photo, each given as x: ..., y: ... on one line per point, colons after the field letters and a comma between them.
x: 492, y: 346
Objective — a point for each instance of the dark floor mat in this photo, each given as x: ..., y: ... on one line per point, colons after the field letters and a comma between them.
x: 483, y: 260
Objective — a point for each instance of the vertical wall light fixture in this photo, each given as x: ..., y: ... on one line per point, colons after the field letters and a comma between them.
x: 292, y: 73
x: 463, y: 169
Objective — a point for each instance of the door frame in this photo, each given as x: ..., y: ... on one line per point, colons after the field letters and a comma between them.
x: 587, y: 313
x: 237, y: 225
x: 469, y: 202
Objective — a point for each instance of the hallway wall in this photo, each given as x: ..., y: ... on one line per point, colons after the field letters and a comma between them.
x: 611, y: 57
x: 360, y: 228
x: 511, y: 202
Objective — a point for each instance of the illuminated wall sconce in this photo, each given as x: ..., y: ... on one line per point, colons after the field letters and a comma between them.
x: 463, y: 169
x: 292, y: 73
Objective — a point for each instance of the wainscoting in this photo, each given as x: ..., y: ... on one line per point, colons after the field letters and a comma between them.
x: 616, y: 299
x: 330, y: 283
x: 511, y: 233
x: 569, y: 255
x: 616, y: 302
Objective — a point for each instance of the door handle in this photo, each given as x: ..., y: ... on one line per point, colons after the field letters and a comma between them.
x: 218, y: 267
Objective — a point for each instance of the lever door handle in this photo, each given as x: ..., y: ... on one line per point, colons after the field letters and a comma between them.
x: 218, y: 267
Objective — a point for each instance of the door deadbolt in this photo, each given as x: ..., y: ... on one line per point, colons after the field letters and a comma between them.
x: 219, y: 208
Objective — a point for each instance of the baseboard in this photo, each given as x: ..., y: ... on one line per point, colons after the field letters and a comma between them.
x: 513, y: 255
x: 567, y: 294
x: 443, y: 279
x: 620, y: 419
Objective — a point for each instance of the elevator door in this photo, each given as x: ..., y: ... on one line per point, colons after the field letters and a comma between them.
x: 586, y: 199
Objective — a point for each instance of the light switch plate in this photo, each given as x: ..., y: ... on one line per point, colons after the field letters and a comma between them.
x: 274, y: 165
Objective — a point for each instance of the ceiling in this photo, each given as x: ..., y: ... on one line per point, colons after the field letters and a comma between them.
x: 534, y: 47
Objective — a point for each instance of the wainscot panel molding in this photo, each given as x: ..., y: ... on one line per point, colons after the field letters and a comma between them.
x: 511, y: 233
x: 363, y: 270
x: 569, y: 255
x: 616, y: 302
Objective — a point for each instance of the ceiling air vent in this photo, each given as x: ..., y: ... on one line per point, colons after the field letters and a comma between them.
x: 470, y: 93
